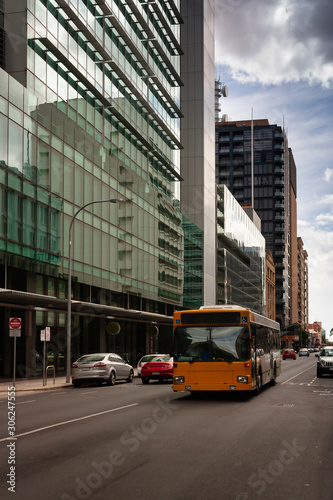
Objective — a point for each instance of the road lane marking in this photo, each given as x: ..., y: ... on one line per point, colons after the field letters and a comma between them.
x: 23, y: 402
x: 311, y: 367
x: 68, y: 422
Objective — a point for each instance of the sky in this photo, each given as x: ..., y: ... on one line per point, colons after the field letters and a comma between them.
x: 276, y: 58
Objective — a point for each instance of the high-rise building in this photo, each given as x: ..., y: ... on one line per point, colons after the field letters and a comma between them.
x: 197, y: 132
x: 90, y: 111
x: 303, y: 285
x: 240, y: 255
x: 265, y: 187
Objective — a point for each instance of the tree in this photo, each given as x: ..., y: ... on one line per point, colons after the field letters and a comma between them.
x: 303, y: 337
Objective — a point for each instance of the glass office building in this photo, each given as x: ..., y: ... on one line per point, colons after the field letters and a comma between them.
x: 89, y: 111
x: 240, y: 255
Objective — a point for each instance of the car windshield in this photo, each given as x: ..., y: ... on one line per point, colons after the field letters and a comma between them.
x: 220, y: 343
x: 90, y: 358
x: 152, y: 357
x: 158, y: 359
x: 327, y: 352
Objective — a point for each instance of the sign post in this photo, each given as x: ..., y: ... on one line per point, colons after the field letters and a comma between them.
x: 14, y: 331
x: 45, y: 336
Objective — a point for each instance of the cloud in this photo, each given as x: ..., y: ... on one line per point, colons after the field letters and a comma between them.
x: 325, y: 219
x: 319, y: 245
x: 327, y: 199
x: 328, y: 174
x: 276, y: 42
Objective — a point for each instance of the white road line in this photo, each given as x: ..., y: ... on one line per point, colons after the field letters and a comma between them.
x: 23, y: 402
x: 56, y: 393
x: 311, y: 367
x: 67, y: 422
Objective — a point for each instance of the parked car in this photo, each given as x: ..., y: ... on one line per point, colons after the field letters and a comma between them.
x: 288, y: 353
x: 146, y: 358
x: 304, y: 352
x: 101, y: 367
x: 325, y: 361
x: 161, y: 368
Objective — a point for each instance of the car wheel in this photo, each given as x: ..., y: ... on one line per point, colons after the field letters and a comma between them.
x: 112, y: 379
x: 319, y: 374
x: 131, y: 376
x: 145, y: 380
x: 76, y: 383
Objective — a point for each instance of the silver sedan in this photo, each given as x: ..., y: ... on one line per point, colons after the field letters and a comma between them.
x: 101, y: 367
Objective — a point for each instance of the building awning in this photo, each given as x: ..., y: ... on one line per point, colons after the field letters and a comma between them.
x: 36, y: 302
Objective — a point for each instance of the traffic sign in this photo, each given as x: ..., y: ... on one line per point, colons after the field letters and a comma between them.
x: 15, y: 323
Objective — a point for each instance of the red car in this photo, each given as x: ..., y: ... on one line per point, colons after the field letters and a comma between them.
x: 159, y: 369
x: 289, y: 353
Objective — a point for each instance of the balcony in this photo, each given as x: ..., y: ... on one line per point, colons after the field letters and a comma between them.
x: 279, y: 194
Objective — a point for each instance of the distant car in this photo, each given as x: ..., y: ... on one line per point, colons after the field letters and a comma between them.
x: 304, y: 352
x: 325, y: 361
x: 101, y: 367
x: 160, y: 368
x: 288, y: 353
x: 146, y: 358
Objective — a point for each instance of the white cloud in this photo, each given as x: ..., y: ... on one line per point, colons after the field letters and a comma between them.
x: 327, y: 199
x: 319, y: 246
x: 328, y: 174
x: 324, y: 219
x: 276, y: 42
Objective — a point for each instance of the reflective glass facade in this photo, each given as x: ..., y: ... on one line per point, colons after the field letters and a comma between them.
x: 240, y: 255
x: 89, y: 111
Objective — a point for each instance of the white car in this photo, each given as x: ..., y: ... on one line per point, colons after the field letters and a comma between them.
x: 101, y: 367
x: 148, y: 357
x: 325, y: 361
x: 304, y: 352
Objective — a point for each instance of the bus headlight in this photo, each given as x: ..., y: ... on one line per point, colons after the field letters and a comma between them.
x: 178, y: 380
x: 242, y: 379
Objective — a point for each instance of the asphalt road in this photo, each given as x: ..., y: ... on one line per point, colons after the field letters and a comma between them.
x: 146, y: 442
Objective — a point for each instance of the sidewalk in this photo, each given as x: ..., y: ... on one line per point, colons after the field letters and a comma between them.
x: 36, y: 383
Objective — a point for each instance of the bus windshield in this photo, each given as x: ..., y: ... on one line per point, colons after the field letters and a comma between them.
x: 218, y: 343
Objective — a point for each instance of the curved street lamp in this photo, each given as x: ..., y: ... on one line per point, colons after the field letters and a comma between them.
x: 69, y: 288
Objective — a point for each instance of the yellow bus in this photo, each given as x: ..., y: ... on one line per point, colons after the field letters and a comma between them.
x: 224, y: 348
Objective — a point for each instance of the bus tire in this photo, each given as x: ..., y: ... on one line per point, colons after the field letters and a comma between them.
x: 258, y: 385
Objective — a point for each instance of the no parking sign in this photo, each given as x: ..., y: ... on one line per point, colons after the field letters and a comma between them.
x: 15, y: 327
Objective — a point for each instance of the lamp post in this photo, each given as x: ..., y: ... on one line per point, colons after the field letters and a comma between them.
x: 69, y: 288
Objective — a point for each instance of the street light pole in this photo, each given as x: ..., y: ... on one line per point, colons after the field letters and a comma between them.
x: 69, y: 286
